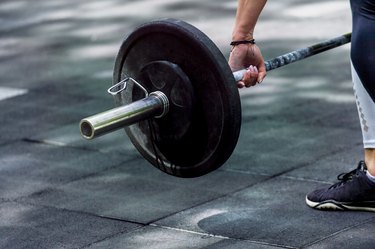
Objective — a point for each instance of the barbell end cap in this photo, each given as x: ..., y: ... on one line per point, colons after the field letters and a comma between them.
x: 165, y: 102
x: 87, y: 130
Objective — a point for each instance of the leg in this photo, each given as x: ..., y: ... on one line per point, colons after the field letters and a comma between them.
x: 363, y: 59
x: 356, y: 189
x: 366, y: 112
x: 363, y: 43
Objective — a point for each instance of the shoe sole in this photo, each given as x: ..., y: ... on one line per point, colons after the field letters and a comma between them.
x: 334, y: 205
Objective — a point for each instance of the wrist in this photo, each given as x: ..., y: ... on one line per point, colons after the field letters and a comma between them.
x: 247, y: 37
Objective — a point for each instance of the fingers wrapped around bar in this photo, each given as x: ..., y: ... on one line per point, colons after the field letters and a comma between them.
x: 248, y: 56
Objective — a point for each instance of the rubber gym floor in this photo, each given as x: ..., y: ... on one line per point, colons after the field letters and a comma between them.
x: 300, y: 129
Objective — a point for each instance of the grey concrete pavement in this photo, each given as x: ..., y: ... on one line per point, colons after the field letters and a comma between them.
x: 300, y: 129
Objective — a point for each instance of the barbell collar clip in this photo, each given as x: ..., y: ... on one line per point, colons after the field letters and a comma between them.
x: 122, y: 85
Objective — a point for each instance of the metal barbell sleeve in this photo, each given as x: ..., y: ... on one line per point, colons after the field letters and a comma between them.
x: 155, y: 105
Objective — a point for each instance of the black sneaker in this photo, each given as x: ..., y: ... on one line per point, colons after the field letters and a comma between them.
x: 354, y: 191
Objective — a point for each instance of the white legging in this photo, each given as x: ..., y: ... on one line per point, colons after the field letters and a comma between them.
x: 366, y: 111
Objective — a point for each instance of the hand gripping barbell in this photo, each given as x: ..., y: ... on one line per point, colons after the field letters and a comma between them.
x: 177, y: 98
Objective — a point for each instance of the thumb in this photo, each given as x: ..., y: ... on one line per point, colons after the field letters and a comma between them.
x: 262, y: 73
x: 261, y: 77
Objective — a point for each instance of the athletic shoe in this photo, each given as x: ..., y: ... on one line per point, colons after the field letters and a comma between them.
x: 354, y: 191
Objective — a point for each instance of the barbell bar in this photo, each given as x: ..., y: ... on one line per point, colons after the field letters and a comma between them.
x: 183, y: 118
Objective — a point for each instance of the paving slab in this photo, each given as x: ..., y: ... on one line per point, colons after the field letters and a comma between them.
x: 271, y: 212
x: 140, y: 193
x: 28, y: 226
x: 327, y: 169
x: 32, y: 113
x: 28, y: 167
x: 286, y: 147
x: 355, y: 237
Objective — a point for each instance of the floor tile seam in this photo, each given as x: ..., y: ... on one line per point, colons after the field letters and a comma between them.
x: 194, y: 206
x: 367, y: 221
x: 310, y: 163
x: 303, y: 179
x: 271, y: 177
x: 45, y: 142
x: 239, y: 171
x: 62, y: 184
x: 218, y: 236
x: 304, y: 165
x: 98, y: 173
x: 112, y: 236
x: 70, y: 146
x: 203, y: 203
x: 76, y: 147
x: 282, y: 176
x: 25, y: 202
x: 58, y: 144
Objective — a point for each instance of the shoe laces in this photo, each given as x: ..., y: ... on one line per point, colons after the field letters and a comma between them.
x: 345, y: 177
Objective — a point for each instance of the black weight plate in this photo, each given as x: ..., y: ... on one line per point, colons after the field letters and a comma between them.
x: 203, y: 139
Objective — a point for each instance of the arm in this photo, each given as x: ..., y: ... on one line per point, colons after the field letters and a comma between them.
x: 247, y: 55
x: 247, y: 15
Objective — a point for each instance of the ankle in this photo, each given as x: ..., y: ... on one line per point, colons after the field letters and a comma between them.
x: 370, y: 160
x: 370, y: 165
x: 371, y: 170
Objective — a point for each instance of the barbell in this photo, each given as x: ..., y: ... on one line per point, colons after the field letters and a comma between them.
x: 177, y: 98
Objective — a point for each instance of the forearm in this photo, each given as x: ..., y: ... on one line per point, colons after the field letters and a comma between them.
x: 247, y: 15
